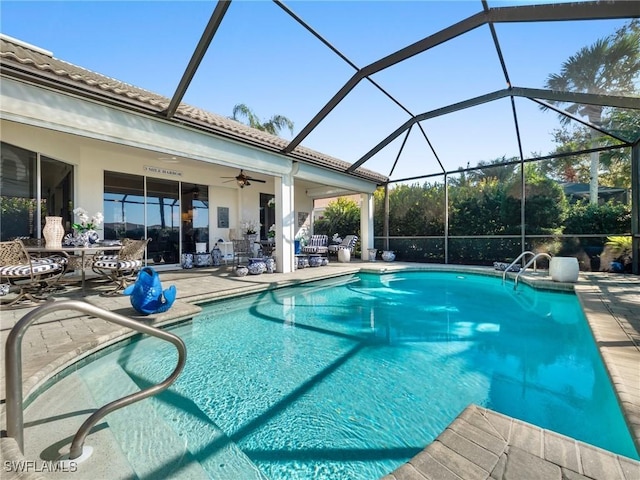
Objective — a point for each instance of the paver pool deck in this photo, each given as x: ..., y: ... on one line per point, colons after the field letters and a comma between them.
x: 479, y: 443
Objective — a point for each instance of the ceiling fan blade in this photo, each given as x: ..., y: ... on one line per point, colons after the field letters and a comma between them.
x: 257, y: 180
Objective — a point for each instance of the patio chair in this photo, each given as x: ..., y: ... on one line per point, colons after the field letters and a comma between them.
x: 241, y: 249
x: 123, y: 267
x: 349, y: 243
x: 34, y: 278
x: 318, y: 244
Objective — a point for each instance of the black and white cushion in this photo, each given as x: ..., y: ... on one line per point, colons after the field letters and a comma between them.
x: 115, y: 264
x: 502, y: 266
x: 36, y: 267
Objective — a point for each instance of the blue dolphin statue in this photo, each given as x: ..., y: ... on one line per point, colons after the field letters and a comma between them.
x: 146, y: 293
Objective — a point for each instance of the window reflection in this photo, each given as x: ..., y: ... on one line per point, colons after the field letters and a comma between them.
x: 163, y: 220
x: 174, y: 215
x: 195, y: 217
x: 27, y: 197
x: 123, y: 206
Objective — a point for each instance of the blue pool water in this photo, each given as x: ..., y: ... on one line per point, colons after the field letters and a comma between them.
x: 348, y: 379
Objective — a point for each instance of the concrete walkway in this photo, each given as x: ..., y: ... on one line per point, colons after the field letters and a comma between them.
x: 611, y: 303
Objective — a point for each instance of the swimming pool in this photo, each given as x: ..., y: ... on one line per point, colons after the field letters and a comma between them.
x: 351, y: 378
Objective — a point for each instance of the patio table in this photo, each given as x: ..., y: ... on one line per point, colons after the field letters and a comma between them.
x: 84, y: 255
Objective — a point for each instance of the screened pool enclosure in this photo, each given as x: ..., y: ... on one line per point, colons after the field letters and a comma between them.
x: 499, y: 126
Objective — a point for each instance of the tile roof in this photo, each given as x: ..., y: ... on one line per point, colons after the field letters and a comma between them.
x: 26, y: 62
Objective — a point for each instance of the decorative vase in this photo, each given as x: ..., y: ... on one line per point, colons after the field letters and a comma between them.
x: 302, y: 262
x: 241, y: 271
x: 344, y: 255
x: 388, y: 256
x: 325, y: 261
x: 92, y: 236
x: 201, y: 259
x: 270, y: 263
x: 315, y: 261
x: 187, y: 260
x: 256, y: 266
x: 53, y: 232
x: 372, y: 252
x: 252, y: 238
x: 216, y: 256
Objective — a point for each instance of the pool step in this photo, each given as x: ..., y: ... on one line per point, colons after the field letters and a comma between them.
x: 177, y: 421
x: 53, y: 419
x: 151, y: 446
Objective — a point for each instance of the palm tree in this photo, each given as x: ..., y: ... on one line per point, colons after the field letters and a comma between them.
x: 272, y: 126
x: 493, y: 169
x: 609, y: 66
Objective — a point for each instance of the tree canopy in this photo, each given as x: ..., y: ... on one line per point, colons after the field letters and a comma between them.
x: 272, y: 126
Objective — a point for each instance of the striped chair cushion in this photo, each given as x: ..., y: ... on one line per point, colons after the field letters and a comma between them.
x: 37, y: 267
x: 317, y: 244
x: 101, y: 258
x: 51, y: 259
x: 114, y: 264
x: 349, y: 242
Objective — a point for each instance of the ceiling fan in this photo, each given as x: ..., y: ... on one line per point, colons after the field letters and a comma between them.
x: 243, y: 179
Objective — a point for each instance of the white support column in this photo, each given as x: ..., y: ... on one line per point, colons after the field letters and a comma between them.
x: 366, y: 224
x: 285, y: 224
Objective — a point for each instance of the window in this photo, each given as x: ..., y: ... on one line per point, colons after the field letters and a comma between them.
x: 267, y: 213
x: 32, y: 186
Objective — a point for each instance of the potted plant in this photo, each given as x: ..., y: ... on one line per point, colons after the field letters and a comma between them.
x: 620, y: 248
x: 250, y: 229
x: 85, y: 227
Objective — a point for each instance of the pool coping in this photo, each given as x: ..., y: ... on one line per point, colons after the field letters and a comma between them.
x: 615, y: 330
x: 482, y: 444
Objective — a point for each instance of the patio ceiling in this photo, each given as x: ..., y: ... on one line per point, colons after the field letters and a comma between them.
x: 404, y: 90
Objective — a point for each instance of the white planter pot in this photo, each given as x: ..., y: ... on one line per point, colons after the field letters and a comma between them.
x: 344, y: 255
x: 564, y: 269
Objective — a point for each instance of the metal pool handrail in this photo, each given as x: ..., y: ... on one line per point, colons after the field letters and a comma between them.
x: 13, y: 362
x: 533, y: 260
x: 523, y: 254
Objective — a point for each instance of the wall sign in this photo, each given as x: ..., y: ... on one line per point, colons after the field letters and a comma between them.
x: 162, y: 171
x: 223, y: 217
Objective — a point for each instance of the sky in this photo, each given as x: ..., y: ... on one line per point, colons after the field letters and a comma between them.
x: 263, y: 58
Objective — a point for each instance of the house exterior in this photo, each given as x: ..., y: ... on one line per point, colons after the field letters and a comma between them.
x: 74, y: 138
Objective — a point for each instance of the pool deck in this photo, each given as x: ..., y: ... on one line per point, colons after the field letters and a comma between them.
x: 479, y: 443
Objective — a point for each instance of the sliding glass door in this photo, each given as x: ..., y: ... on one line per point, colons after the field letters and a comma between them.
x: 163, y: 221
x: 174, y: 215
x: 195, y: 217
